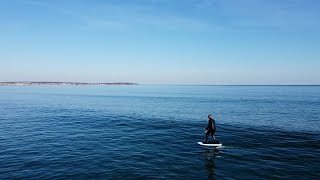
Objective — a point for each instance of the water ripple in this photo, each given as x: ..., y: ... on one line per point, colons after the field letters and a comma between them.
x: 153, y: 136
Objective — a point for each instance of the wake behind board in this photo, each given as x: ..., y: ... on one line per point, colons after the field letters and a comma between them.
x: 210, y: 144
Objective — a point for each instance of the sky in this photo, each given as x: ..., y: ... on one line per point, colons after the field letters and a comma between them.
x: 217, y: 42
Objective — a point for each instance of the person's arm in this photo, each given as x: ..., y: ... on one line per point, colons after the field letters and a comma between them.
x: 214, y: 124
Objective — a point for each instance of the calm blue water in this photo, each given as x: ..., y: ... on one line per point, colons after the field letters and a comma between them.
x: 150, y: 132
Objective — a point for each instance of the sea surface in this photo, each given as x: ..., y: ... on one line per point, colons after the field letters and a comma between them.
x: 151, y: 132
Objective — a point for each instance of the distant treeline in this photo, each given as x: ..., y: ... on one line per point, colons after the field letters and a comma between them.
x: 27, y: 83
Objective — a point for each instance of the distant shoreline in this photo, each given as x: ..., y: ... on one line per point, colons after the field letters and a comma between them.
x: 33, y: 83
x: 58, y: 83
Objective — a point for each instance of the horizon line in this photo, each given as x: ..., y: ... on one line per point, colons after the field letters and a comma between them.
x: 161, y: 84
x: 233, y: 84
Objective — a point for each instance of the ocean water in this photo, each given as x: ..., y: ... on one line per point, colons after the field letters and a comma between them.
x: 151, y: 132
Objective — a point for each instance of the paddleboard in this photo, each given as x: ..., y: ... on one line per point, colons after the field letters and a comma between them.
x: 210, y: 144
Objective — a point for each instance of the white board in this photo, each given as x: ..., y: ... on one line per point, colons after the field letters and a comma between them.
x: 212, y: 145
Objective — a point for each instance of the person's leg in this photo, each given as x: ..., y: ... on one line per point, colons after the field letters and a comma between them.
x: 214, y: 138
x: 207, y: 134
x: 212, y: 135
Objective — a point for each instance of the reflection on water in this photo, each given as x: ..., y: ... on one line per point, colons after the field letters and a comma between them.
x: 210, y: 165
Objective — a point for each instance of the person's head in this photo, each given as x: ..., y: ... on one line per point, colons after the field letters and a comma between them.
x: 210, y: 116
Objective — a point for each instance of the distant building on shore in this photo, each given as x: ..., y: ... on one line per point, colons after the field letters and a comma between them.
x: 29, y: 83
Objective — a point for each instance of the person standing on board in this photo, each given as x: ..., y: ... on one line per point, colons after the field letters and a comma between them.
x: 211, y: 128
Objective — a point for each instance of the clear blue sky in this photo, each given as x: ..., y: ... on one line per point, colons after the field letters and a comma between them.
x: 161, y: 41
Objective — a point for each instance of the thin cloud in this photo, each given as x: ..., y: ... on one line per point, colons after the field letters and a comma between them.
x: 204, y: 4
x: 126, y: 16
x: 284, y: 15
x: 102, y: 23
x: 148, y: 15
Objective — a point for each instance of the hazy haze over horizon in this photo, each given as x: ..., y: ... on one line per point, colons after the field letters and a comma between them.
x: 161, y: 41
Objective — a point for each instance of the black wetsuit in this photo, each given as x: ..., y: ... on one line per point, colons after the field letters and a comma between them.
x: 211, y: 128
